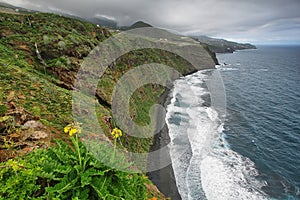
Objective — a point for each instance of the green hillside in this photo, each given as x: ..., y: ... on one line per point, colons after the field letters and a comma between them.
x: 40, y: 56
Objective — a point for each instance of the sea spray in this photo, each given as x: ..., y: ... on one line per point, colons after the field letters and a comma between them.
x: 204, y: 167
x: 190, y: 125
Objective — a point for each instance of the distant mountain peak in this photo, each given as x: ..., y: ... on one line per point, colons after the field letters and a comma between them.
x: 140, y: 24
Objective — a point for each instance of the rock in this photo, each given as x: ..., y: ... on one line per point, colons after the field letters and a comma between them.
x: 35, y: 130
x: 37, y: 135
x: 36, y: 125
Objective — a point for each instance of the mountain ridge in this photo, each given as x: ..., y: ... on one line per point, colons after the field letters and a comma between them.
x: 221, y: 45
x: 214, y: 44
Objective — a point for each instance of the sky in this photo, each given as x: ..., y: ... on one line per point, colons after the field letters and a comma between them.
x: 254, y: 21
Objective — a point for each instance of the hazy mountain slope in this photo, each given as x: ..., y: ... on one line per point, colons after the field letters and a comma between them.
x: 221, y: 45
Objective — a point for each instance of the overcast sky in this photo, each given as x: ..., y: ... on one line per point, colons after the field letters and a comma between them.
x: 256, y: 21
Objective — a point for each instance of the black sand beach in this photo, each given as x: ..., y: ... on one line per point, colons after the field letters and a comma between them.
x: 164, y: 178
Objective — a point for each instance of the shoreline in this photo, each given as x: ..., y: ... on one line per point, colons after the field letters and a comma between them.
x: 164, y: 178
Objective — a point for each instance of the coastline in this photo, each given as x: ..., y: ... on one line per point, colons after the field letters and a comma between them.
x: 164, y: 178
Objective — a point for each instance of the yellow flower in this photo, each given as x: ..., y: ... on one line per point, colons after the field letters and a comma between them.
x: 153, y: 198
x: 67, y: 128
x: 116, y: 133
x: 72, y: 131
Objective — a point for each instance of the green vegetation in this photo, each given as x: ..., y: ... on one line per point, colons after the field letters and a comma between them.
x: 65, y: 172
x: 40, y: 56
x: 61, y: 43
x: 221, y: 45
x: 139, y: 24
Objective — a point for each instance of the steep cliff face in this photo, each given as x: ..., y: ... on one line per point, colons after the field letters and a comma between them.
x: 40, y: 57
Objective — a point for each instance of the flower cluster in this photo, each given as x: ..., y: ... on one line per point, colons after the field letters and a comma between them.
x: 116, y: 133
x: 72, y: 129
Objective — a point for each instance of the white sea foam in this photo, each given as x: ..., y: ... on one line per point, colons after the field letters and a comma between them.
x: 203, y: 167
x: 228, y: 69
x: 264, y: 70
x: 225, y: 64
x: 228, y: 175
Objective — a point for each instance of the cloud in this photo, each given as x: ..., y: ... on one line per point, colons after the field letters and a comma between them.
x: 231, y: 18
x: 105, y: 16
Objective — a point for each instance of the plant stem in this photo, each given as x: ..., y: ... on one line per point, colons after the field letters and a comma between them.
x: 78, y: 150
x: 115, y: 145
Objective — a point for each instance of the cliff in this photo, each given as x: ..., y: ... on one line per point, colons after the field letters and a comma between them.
x: 221, y: 45
x: 40, y: 56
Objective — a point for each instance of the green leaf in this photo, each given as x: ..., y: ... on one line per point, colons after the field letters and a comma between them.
x: 62, y: 187
x: 85, y: 180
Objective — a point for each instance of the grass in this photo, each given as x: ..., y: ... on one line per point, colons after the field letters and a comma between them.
x: 40, y: 84
x: 44, y: 80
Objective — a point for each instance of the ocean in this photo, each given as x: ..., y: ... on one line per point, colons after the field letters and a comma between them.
x: 254, y: 153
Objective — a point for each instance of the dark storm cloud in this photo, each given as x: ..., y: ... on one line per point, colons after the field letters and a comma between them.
x: 251, y: 20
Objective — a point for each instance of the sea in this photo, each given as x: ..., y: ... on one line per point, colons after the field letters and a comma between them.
x: 253, y: 152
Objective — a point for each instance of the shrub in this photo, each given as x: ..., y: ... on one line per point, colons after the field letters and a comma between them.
x: 67, y: 172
